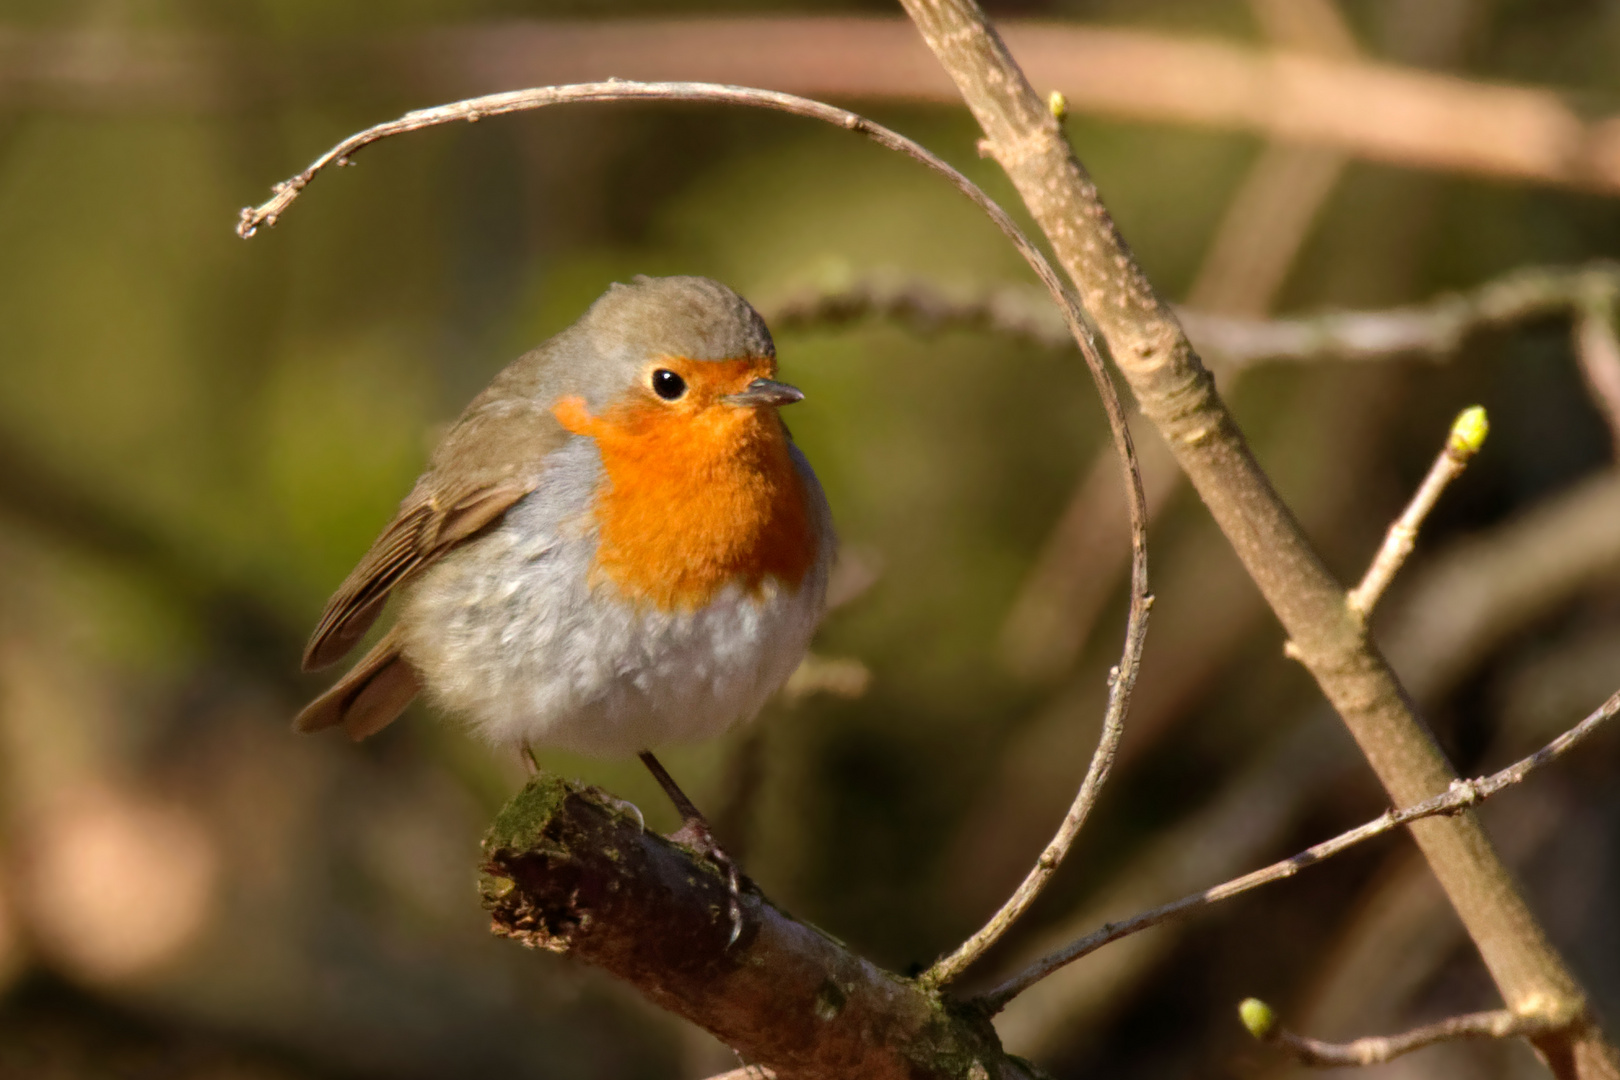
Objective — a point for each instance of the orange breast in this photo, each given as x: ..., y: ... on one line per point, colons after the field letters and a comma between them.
x: 692, y: 501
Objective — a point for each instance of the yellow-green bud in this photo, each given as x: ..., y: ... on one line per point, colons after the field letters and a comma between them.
x: 1468, y: 432
x: 1058, y: 104
x: 1257, y: 1017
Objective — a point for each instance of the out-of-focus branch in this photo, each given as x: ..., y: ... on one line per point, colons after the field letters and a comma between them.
x: 1461, y: 795
x: 1178, y: 395
x: 1598, y: 351
x: 1485, y: 588
x: 1370, y: 110
x: 566, y: 873
x: 1466, y: 437
x: 839, y: 676
x: 1262, y: 1023
x: 1433, y: 330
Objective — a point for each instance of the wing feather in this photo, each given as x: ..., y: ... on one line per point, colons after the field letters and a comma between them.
x: 489, y: 460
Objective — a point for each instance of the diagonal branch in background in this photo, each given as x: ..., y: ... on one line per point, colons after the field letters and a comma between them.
x: 567, y: 873
x: 1255, y: 245
x: 1262, y: 1023
x: 1178, y: 395
x: 1122, y: 678
x: 1456, y: 799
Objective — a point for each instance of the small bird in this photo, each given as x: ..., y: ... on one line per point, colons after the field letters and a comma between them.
x: 615, y: 547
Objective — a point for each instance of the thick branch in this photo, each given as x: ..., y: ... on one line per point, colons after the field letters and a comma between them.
x: 566, y: 873
x: 1178, y: 395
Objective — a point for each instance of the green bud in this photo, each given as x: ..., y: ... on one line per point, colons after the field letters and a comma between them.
x: 1257, y: 1017
x: 1058, y: 104
x: 1468, y: 432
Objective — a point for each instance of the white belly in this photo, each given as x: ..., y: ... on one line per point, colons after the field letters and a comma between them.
x: 507, y: 633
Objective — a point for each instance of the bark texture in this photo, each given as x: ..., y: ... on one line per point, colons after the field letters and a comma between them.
x: 568, y: 872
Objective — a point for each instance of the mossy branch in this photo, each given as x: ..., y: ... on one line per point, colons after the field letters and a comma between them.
x: 567, y: 871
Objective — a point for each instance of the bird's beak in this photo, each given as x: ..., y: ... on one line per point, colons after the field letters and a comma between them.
x: 765, y: 392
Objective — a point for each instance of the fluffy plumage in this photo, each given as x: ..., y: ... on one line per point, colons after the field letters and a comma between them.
x: 586, y: 565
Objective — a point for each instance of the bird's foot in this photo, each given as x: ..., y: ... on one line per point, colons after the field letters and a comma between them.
x: 696, y: 834
x: 623, y: 806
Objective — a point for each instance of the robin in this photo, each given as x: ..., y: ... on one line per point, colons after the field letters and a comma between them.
x: 615, y: 547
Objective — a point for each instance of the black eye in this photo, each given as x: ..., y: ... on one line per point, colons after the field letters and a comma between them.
x: 668, y: 385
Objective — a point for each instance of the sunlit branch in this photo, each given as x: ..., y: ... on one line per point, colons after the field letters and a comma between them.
x: 1461, y: 795
x: 1467, y: 435
x: 1262, y: 1023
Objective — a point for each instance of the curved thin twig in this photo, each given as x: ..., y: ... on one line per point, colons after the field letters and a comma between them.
x: 1461, y: 795
x: 1123, y: 677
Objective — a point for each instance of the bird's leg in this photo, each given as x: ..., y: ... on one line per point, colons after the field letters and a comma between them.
x: 531, y: 765
x: 695, y: 832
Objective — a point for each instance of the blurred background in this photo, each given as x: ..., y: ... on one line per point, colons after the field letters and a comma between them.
x: 199, y: 437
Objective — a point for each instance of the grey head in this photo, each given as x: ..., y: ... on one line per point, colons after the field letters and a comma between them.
x: 630, y: 325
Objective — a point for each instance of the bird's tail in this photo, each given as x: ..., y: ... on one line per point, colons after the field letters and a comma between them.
x: 367, y: 699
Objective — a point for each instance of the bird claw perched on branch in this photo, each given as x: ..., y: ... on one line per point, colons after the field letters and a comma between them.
x: 565, y: 872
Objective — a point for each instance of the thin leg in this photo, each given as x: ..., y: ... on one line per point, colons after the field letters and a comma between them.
x: 695, y: 831
x: 526, y: 755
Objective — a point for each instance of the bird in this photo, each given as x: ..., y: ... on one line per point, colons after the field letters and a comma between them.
x: 617, y: 546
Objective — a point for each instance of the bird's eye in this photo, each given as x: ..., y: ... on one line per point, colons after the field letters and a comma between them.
x: 668, y: 385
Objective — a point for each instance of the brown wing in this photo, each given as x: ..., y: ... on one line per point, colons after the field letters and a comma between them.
x: 369, y: 696
x: 487, y: 462
x: 424, y: 530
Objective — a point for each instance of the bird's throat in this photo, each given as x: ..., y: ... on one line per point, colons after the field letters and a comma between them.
x: 693, y: 502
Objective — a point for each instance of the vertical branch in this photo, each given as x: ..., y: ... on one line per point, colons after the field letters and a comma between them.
x: 1178, y: 395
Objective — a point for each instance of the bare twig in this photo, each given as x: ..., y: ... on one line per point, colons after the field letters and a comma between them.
x: 1461, y: 795
x: 1375, y: 1050
x: 1255, y: 245
x: 1467, y: 436
x: 1102, y: 762
x: 1433, y: 330
x: 1454, y: 611
x: 1597, y: 349
x: 1123, y: 677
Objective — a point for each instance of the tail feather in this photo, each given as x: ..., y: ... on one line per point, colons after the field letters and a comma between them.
x: 368, y: 698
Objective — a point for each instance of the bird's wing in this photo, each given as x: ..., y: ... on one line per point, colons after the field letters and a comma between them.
x: 367, y: 699
x: 491, y: 459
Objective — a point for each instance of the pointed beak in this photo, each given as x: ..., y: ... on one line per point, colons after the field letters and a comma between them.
x: 765, y: 392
